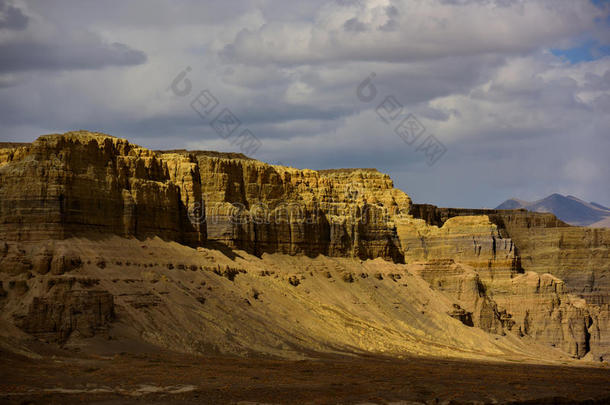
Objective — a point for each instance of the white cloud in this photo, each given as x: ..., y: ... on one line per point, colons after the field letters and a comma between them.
x: 419, y: 29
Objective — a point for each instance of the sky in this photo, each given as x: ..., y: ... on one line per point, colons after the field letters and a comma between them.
x: 464, y: 103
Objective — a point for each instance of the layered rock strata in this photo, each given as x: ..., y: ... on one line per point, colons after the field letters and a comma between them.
x: 474, y: 243
x: 469, y: 259
x: 264, y: 208
x: 206, y: 300
x: 578, y: 255
x: 57, y: 317
x: 490, y: 266
x: 82, y: 182
x: 64, y: 185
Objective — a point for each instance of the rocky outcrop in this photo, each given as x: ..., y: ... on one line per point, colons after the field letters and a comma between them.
x: 600, y: 332
x: 461, y: 315
x: 578, y: 255
x: 184, y: 172
x: 79, y: 182
x: 463, y: 284
x: 520, y: 218
x: 39, y: 259
x: 471, y: 258
x: 82, y: 182
x: 541, y: 308
x: 56, y: 317
x: 472, y: 240
x: 275, y: 305
x: 505, y: 272
x: 526, y: 304
x: 263, y: 208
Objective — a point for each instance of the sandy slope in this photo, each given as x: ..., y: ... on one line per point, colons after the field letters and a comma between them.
x: 170, y: 295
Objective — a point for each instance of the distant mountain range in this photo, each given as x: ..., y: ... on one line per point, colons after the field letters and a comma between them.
x: 569, y: 209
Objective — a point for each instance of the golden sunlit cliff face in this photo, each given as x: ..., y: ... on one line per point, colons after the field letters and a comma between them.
x: 258, y: 207
x: 86, y: 182
x: 205, y: 251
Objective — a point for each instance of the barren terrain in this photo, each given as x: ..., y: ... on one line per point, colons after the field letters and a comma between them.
x: 162, y: 377
x: 128, y: 275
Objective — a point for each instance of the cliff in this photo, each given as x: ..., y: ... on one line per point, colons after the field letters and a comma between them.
x: 578, y: 255
x: 264, y: 208
x: 550, y: 279
x: 83, y: 182
x: 80, y: 182
x: 68, y: 204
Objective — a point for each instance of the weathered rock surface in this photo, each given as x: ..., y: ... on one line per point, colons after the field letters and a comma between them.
x: 541, y: 308
x: 525, y: 304
x: 78, y: 182
x: 469, y: 259
x: 82, y: 182
x: 59, y: 315
x: 578, y: 255
x: 472, y: 240
x: 461, y: 314
x: 509, y: 273
x: 279, y: 305
x: 263, y: 208
x: 184, y: 172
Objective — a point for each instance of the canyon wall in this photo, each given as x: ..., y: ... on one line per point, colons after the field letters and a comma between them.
x: 506, y: 272
x: 578, y: 255
x: 262, y: 208
x: 80, y: 182
x: 518, y: 271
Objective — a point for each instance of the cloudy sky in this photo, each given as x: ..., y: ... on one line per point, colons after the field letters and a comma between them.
x: 517, y: 92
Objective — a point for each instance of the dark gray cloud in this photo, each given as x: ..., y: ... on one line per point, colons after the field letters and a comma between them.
x: 11, y: 17
x: 598, y: 82
x: 354, y: 25
x: 143, y: 13
x: 501, y: 3
x: 22, y: 56
x: 44, y: 45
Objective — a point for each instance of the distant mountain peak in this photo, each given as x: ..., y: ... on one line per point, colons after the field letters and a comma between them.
x: 599, y: 206
x: 570, y: 209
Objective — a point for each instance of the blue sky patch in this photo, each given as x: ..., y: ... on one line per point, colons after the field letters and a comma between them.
x: 585, y: 52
